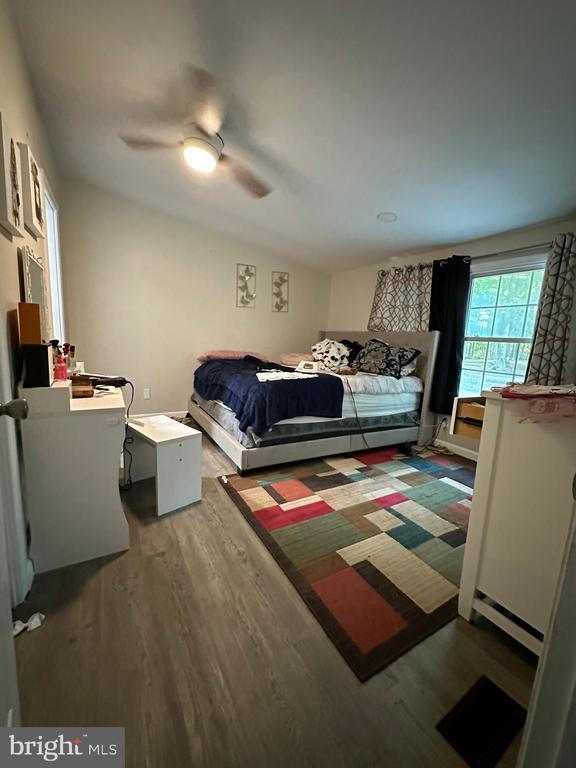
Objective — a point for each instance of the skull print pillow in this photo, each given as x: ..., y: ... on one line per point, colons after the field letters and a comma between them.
x: 332, y: 354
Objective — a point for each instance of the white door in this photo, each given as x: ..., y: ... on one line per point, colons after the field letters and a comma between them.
x: 550, y: 733
x: 15, y: 576
x: 9, y: 706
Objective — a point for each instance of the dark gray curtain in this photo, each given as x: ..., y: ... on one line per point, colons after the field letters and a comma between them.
x: 448, y: 306
x: 552, y: 356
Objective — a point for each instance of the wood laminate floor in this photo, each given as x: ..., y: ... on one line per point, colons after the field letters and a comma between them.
x: 196, y: 643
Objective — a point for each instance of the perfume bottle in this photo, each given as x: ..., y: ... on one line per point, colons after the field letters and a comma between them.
x: 71, y: 362
x: 60, y: 370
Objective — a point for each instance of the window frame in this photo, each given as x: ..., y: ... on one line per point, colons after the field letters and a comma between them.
x: 54, y: 265
x: 490, y: 268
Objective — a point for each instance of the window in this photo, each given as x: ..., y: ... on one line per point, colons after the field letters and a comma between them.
x: 499, y: 329
x: 54, y: 268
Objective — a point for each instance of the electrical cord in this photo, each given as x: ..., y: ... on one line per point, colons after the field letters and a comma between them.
x: 429, y: 446
x: 416, y: 449
x: 126, y: 453
x: 356, y: 412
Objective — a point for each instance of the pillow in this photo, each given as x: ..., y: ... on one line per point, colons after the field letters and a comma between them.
x: 228, y: 354
x: 332, y: 354
x: 379, y: 357
x: 354, y: 349
x: 408, y: 370
x: 291, y: 359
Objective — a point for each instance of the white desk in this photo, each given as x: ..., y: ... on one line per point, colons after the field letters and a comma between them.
x: 172, y: 453
x: 71, y: 461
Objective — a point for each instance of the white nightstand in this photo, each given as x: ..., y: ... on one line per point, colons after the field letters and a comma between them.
x: 172, y: 453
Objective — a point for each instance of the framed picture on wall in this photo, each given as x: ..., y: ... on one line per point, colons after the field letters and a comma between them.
x: 35, y: 285
x: 280, y: 291
x: 245, y: 286
x: 11, y: 204
x: 33, y: 192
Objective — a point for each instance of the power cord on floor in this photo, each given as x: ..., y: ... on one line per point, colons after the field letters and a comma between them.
x: 126, y: 453
x: 429, y: 446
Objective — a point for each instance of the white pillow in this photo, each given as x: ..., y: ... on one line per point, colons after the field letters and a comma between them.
x: 332, y: 354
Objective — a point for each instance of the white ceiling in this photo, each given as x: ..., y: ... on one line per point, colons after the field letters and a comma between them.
x: 460, y: 116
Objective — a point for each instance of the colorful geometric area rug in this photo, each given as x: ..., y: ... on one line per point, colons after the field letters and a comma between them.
x: 373, y: 543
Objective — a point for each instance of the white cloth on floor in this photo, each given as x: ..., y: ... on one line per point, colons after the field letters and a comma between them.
x: 33, y: 623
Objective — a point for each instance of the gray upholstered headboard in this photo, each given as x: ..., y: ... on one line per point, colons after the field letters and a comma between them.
x: 426, y: 342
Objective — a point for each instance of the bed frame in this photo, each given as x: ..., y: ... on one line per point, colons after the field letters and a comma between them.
x: 252, y: 458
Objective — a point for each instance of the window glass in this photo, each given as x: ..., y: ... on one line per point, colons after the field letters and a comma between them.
x: 470, y: 383
x: 530, y: 321
x: 484, y: 291
x: 501, y: 357
x: 509, y: 322
x: 501, y: 307
x: 54, y: 267
x: 475, y: 355
x: 480, y: 322
x: 537, y: 279
x: 515, y: 288
x: 522, y: 361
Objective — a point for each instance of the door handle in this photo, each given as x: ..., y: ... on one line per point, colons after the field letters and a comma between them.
x: 15, y: 409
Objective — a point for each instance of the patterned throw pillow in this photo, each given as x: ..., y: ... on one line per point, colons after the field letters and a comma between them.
x: 332, y: 354
x: 354, y: 349
x: 379, y: 357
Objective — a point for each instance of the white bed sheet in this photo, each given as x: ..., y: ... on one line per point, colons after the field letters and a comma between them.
x: 373, y: 384
x: 367, y: 406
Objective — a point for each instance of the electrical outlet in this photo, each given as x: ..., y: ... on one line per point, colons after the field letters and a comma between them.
x: 146, y: 393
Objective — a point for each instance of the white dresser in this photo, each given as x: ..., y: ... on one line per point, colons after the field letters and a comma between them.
x: 522, y: 512
x: 71, y: 463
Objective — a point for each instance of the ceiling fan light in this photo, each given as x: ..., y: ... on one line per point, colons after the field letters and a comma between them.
x: 200, y: 155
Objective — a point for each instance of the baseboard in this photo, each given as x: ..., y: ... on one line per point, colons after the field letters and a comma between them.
x: 176, y: 414
x: 467, y: 453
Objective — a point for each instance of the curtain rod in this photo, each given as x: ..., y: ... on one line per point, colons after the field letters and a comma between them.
x: 525, y: 248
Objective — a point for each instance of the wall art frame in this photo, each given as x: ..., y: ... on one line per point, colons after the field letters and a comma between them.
x: 33, y: 193
x: 11, y: 203
x: 35, y: 286
x: 280, y: 291
x: 245, y: 286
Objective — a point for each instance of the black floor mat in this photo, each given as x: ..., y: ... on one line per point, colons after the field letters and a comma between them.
x: 482, y: 724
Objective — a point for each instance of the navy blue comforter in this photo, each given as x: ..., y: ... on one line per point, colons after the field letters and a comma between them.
x: 259, y: 404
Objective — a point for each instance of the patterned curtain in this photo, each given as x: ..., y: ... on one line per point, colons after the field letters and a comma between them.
x: 402, y: 299
x: 551, y: 347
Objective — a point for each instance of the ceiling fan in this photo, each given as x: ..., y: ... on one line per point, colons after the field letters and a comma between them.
x: 202, y: 145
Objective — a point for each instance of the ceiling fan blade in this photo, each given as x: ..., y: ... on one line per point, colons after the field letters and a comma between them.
x: 208, y: 109
x: 141, y: 142
x: 245, y: 178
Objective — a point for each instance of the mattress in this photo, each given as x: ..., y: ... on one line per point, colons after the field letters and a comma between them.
x: 377, y: 412
x: 367, y: 406
x: 373, y: 384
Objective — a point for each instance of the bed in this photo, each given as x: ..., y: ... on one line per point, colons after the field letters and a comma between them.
x: 369, y: 419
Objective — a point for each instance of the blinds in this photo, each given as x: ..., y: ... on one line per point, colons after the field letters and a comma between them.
x: 510, y: 261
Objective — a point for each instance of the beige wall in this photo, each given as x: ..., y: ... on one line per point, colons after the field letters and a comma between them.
x: 352, y: 290
x: 145, y: 293
x: 17, y: 104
